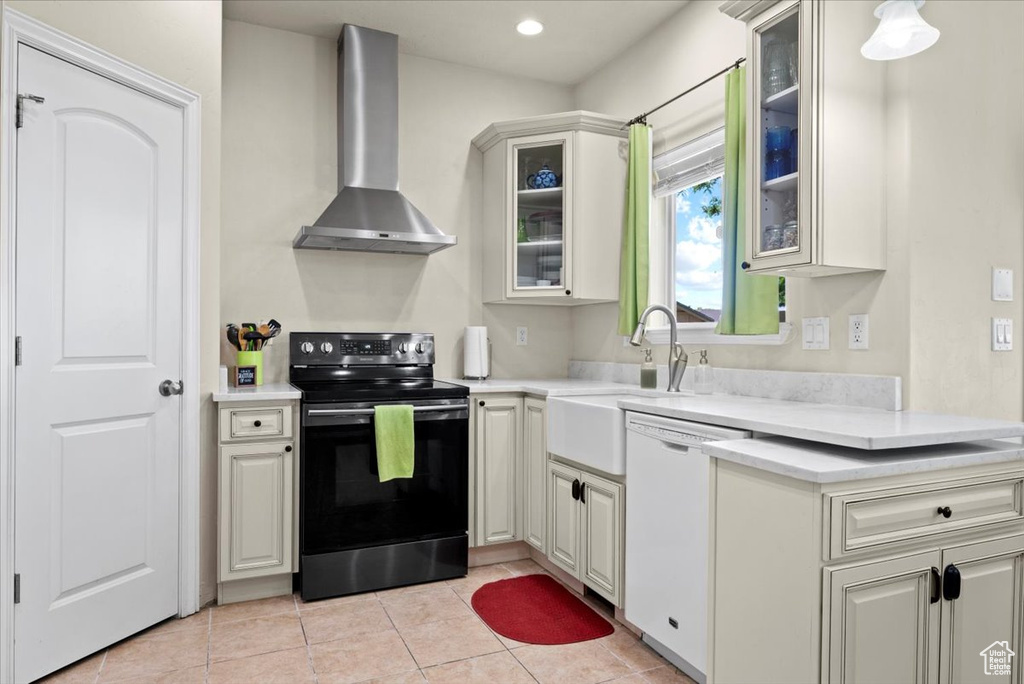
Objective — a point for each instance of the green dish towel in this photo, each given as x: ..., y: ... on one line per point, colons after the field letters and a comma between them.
x: 396, y: 450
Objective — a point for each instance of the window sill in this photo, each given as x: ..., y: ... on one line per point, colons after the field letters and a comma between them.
x: 703, y: 334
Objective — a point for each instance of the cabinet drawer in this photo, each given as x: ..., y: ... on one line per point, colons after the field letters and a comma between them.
x: 865, y: 520
x: 265, y: 421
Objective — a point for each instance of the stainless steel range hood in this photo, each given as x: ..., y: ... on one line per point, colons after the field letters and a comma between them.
x: 370, y: 214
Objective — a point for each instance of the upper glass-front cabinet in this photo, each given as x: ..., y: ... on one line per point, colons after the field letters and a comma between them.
x: 553, y: 203
x: 539, y: 215
x: 777, y: 137
x: 815, y: 138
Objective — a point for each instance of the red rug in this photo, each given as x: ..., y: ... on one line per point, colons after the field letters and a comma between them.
x: 536, y: 609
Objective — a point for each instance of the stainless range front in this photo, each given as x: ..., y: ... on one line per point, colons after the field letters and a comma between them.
x: 356, y: 533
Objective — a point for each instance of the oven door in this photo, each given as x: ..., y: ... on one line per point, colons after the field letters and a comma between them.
x: 345, y: 506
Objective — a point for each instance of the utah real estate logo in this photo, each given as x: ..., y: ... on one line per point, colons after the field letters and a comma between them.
x: 997, y: 658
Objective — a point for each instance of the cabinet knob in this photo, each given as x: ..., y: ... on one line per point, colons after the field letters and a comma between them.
x: 257, y: 423
x: 745, y: 265
x: 482, y: 403
x: 945, y: 511
x: 288, y: 448
x: 568, y: 292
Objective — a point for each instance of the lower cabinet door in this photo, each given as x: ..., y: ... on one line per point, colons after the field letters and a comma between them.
x: 982, y: 626
x: 563, y: 518
x: 882, y: 621
x: 497, y: 431
x: 601, y: 516
x: 256, y: 510
x: 535, y: 457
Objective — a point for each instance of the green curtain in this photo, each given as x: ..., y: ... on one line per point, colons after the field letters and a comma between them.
x: 750, y: 304
x: 633, y: 269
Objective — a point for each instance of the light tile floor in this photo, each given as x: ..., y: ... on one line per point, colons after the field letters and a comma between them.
x: 424, y: 633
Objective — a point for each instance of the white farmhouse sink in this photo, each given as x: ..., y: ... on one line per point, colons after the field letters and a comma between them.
x: 590, y: 430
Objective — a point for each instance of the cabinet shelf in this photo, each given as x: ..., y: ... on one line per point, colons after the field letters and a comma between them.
x: 542, y: 198
x: 782, y: 183
x: 786, y: 101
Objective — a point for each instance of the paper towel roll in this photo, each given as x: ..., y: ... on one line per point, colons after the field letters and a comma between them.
x: 477, y: 362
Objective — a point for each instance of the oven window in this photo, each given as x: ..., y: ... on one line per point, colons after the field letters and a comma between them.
x: 345, y: 506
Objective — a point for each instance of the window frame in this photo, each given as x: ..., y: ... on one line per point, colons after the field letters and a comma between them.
x: 662, y: 282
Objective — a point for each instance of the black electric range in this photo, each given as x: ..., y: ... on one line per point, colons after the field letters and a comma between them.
x: 356, y: 533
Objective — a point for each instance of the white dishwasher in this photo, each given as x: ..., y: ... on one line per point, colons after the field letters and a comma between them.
x: 667, y: 531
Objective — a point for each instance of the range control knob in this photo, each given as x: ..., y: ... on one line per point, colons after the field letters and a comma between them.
x: 420, y: 348
x: 403, y: 348
x: 306, y: 347
x: 326, y: 347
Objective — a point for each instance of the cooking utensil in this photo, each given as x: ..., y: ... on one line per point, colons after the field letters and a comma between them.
x: 232, y: 335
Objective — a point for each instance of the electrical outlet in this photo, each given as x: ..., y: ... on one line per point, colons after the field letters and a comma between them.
x: 521, y: 336
x: 816, y: 333
x: 1002, y: 334
x: 858, y: 331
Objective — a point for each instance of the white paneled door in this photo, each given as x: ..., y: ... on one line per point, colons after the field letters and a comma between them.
x: 99, y: 311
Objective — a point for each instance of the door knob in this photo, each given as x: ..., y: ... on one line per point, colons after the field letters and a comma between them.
x: 169, y: 387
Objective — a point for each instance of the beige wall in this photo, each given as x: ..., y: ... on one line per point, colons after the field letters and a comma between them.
x: 955, y: 204
x: 280, y: 172
x: 181, y: 41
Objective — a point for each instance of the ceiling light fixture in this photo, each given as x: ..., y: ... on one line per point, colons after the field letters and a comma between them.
x: 901, y: 31
x: 529, y: 27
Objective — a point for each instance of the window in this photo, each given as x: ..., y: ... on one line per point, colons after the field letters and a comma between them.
x: 686, y: 236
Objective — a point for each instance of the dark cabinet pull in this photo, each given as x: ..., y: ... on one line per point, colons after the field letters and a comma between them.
x: 257, y: 423
x: 583, y: 493
x: 576, y: 490
x: 482, y: 403
x: 945, y: 511
x: 745, y: 265
x: 568, y: 292
x: 951, y: 583
x: 288, y: 448
x: 936, y: 585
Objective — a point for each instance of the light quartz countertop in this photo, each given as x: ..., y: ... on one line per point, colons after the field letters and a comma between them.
x: 555, y: 387
x: 824, y: 464
x: 279, y: 391
x: 859, y: 428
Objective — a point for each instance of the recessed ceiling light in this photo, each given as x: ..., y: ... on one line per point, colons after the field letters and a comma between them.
x: 529, y: 27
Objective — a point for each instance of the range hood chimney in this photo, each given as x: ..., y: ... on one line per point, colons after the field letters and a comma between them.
x: 370, y: 214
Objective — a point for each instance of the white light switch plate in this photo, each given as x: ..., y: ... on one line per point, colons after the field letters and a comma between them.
x: 816, y: 333
x: 1002, y: 285
x: 858, y: 331
x: 1002, y: 334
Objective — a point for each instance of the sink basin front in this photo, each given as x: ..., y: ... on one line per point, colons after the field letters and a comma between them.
x: 590, y: 430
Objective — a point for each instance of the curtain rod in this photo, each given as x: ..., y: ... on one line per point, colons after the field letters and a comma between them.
x: 643, y: 117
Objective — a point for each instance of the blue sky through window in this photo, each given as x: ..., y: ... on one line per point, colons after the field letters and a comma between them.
x: 698, y: 253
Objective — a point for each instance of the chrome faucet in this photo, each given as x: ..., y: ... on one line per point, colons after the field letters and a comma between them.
x: 676, y: 354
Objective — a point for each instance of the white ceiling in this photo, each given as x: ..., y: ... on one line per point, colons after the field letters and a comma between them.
x: 579, y: 37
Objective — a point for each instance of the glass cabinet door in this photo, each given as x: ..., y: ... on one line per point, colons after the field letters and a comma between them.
x: 776, y: 88
x: 538, y: 262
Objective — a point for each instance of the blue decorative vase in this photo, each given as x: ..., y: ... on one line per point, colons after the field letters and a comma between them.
x: 545, y: 178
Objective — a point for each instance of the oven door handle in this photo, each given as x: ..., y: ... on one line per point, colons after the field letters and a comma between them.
x: 369, y: 411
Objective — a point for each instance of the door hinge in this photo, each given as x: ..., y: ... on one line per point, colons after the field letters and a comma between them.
x: 19, y: 108
x: 17, y: 588
x: 17, y: 350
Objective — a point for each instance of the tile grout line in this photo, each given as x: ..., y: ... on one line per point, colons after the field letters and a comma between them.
x: 305, y: 639
x: 523, y: 665
x: 103, y: 661
x: 209, y: 646
x: 401, y: 636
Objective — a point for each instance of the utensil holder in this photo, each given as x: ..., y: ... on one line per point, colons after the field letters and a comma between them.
x: 252, y: 358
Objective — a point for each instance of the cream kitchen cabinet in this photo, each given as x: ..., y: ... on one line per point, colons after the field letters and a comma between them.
x: 535, y: 458
x: 554, y: 189
x: 815, y: 138
x: 857, y: 581
x: 585, y: 528
x: 497, y: 431
x: 256, y: 503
